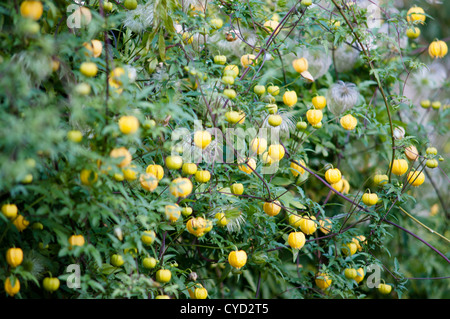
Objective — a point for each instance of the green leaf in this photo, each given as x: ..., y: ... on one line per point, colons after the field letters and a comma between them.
x: 96, y: 286
x: 281, y: 181
x: 297, y: 204
x: 162, y: 46
x: 295, y: 255
x: 166, y: 227
x: 152, y: 65
x: 248, y: 275
x: 95, y: 254
x: 108, y: 269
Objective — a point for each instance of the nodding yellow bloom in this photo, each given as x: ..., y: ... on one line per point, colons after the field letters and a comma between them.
x: 437, y: 49
x: 237, y: 258
x: 271, y: 25
x: 416, y: 14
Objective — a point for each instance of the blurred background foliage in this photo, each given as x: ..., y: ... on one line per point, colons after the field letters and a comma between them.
x: 39, y: 105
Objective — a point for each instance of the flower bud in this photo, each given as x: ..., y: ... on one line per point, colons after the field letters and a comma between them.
x: 399, y: 133
x: 118, y: 233
x: 193, y: 276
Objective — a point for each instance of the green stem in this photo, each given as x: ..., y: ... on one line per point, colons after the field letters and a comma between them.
x: 421, y: 224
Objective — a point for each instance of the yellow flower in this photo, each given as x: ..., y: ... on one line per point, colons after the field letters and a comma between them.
x: 128, y: 124
x: 416, y: 14
x: 247, y: 60
x: 437, y: 49
x: 237, y: 258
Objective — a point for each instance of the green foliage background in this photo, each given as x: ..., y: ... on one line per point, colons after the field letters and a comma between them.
x: 39, y: 106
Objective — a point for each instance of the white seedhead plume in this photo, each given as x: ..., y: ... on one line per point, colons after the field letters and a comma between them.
x: 341, y: 97
x: 235, y: 217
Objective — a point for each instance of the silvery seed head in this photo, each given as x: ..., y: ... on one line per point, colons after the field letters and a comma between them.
x: 34, y: 65
x: 34, y: 264
x: 283, y: 130
x: 319, y: 61
x: 188, y: 4
x: 341, y: 97
x: 234, y: 216
x: 243, y: 38
x: 140, y: 19
x: 345, y: 57
x: 424, y: 82
x: 132, y: 73
x: 193, y: 276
